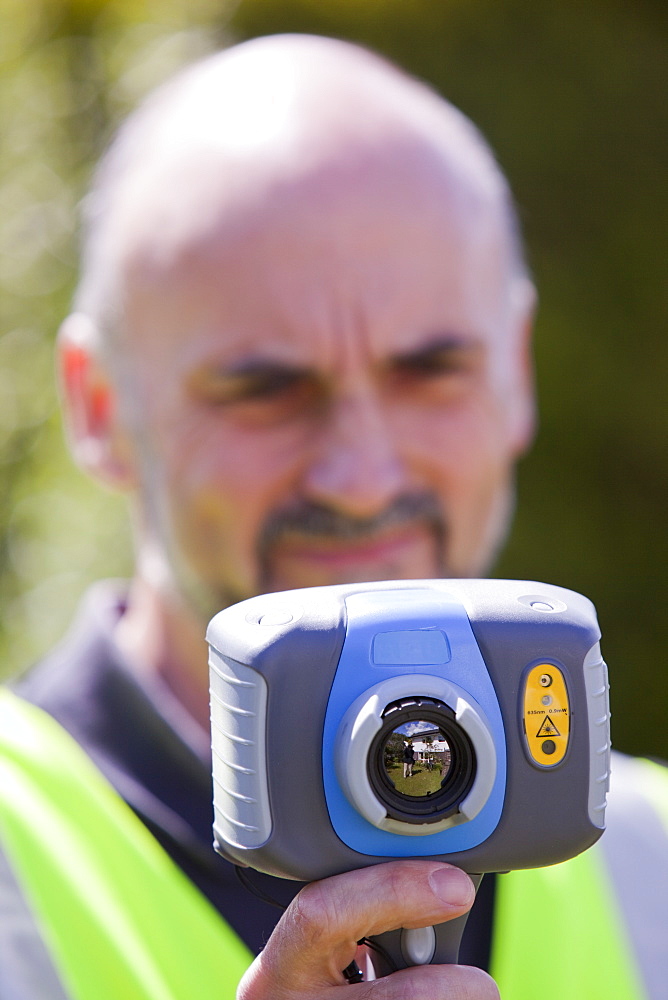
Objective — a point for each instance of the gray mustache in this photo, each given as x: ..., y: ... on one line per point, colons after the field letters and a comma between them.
x: 318, y: 521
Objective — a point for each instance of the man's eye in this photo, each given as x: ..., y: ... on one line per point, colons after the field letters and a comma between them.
x: 428, y: 367
x: 223, y: 388
x: 264, y: 386
x: 267, y: 395
x: 436, y: 364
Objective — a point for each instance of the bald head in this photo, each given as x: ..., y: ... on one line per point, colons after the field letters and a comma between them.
x: 276, y: 119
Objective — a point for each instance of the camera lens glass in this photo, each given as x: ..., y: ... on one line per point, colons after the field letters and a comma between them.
x: 421, y: 763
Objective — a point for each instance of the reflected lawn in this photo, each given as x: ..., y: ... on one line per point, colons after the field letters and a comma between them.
x: 422, y: 782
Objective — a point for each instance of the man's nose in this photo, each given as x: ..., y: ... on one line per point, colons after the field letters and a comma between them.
x: 355, y: 467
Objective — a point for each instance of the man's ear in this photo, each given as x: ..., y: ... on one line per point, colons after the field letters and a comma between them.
x: 523, y: 418
x: 90, y: 404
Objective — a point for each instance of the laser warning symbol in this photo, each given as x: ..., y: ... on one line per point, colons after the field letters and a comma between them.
x: 548, y: 728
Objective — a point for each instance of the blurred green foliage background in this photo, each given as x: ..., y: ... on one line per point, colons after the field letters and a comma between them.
x: 572, y: 97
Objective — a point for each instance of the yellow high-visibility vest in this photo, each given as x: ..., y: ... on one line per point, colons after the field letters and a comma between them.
x: 100, y: 912
x: 594, y: 927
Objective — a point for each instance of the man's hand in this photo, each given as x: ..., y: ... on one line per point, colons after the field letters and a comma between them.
x: 317, y: 937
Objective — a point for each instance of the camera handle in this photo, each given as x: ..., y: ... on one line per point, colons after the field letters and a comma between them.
x: 402, y: 948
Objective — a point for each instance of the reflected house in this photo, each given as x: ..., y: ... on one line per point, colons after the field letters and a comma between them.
x: 430, y: 744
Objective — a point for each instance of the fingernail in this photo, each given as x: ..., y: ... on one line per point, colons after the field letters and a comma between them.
x: 452, y: 885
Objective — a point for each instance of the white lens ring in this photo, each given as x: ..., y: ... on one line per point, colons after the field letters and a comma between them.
x: 363, y: 720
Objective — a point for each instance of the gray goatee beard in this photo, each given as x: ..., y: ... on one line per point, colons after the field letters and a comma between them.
x: 311, y: 521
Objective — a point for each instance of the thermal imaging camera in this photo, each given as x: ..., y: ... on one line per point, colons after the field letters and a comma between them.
x: 463, y: 720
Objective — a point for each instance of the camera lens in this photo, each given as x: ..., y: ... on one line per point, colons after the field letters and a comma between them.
x: 421, y: 764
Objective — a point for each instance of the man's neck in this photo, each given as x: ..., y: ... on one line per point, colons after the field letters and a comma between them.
x: 162, y: 638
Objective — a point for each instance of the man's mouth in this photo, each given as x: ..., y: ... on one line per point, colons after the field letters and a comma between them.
x: 384, y: 547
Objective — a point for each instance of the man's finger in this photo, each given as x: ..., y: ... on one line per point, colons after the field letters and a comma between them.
x: 317, y: 936
x: 429, y: 982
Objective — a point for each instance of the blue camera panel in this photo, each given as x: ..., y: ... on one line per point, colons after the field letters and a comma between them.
x: 425, y: 636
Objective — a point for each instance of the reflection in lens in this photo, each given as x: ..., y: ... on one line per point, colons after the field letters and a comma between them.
x: 421, y: 763
x: 417, y: 758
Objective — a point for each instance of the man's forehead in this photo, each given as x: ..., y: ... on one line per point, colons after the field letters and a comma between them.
x: 372, y: 228
x: 368, y: 253
x: 358, y: 194
x: 202, y: 195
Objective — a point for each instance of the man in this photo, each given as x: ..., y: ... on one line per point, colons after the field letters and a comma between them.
x: 300, y: 344
x: 408, y: 758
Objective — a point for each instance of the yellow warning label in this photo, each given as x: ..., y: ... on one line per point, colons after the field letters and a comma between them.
x: 546, y: 714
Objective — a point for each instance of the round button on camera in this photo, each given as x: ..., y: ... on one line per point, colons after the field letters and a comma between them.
x: 276, y: 618
x: 544, y: 604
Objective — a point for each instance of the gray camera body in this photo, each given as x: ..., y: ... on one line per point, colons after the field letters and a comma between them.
x: 495, y: 688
